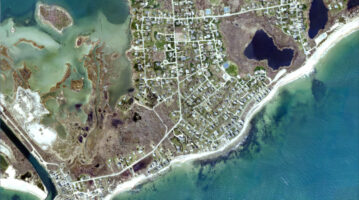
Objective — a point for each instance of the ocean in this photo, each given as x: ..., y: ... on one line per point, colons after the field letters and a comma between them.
x: 304, y: 144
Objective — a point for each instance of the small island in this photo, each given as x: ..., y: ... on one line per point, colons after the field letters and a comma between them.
x: 54, y: 16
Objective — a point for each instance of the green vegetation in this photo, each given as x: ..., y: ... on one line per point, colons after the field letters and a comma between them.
x: 149, y: 43
x: 304, y: 7
x: 137, y: 68
x: 157, y: 66
x: 3, y: 164
x: 40, y: 185
x: 215, y: 2
x: 177, y: 142
x: 61, y: 132
x: 160, y: 44
x: 152, y: 4
x: 155, y: 34
x: 341, y: 19
x: 133, y: 24
x: 259, y: 68
x: 232, y: 70
x: 306, y: 26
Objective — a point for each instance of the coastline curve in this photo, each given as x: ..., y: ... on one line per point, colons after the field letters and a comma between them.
x: 341, y: 31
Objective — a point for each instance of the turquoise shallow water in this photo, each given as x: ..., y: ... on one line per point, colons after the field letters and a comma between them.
x: 15, y: 195
x: 303, y: 145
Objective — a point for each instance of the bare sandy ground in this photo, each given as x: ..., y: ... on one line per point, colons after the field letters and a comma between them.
x: 11, y: 183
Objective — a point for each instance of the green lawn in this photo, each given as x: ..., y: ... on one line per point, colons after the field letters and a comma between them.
x: 259, y: 68
x: 3, y: 164
x: 232, y: 70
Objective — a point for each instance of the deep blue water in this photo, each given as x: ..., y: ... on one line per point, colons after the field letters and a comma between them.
x: 318, y: 16
x: 22, y: 11
x: 115, y: 11
x: 352, y: 3
x: 303, y: 145
x: 262, y: 47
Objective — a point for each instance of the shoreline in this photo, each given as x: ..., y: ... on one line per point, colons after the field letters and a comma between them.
x: 45, y: 22
x: 22, y: 186
x: 11, y: 183
x: 339, y: 32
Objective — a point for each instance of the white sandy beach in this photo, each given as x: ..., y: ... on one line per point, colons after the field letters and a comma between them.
x: 11, y: 183
x: 22, y: 186
x: 340, y: 32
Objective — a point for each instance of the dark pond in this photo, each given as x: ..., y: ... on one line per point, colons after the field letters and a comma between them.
x: 45, y: 177
x: 318, y: 16
x: 352, y: 4
x: 262, y: 47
